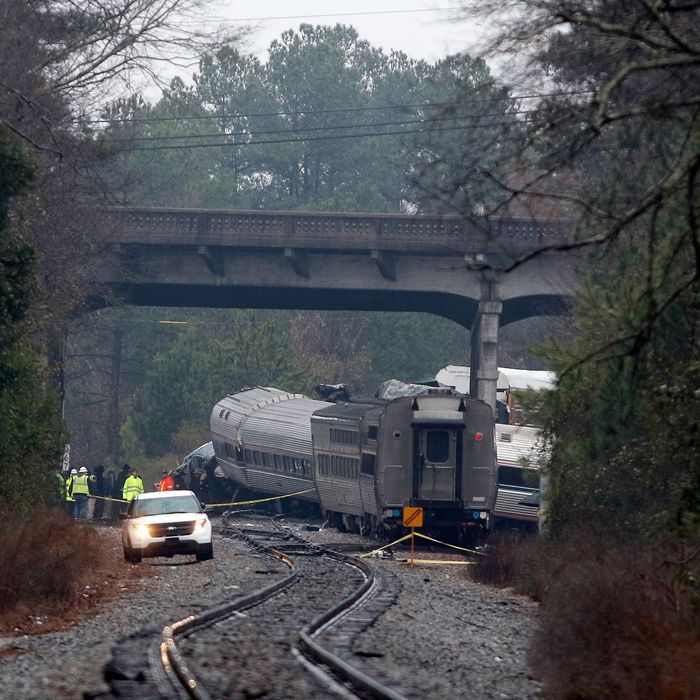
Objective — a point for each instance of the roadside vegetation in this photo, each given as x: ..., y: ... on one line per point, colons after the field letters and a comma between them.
x: 59, y: 58
x: 617, y: 145
x: 619, y: 617
x: 56, y: 572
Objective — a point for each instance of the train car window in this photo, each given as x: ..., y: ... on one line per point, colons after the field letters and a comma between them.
x: 221, y: 413
x: 372, y: 432
x: 438, y: 446
x: 368, y: 463
x: 239, y: 453
x: 514, y: 476
x: 344, y: 437
x: 268, y: 459
x: 230, y: 452
x: 248, y: 456
x: 258, y: 458
x: 287, y: 463
x: 228, y: 413
x: 278, y: 462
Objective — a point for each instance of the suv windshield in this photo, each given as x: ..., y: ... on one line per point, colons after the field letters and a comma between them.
x: 162, y: 506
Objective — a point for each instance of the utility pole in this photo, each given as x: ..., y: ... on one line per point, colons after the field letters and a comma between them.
x: 113, y: 412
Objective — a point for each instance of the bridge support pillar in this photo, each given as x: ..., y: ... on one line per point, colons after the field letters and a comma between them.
x: 483, y: 377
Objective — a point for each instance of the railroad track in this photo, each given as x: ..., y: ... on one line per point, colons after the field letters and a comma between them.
x: 257, y: 644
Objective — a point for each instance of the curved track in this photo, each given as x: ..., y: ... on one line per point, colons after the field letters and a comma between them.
x: 291, y: 638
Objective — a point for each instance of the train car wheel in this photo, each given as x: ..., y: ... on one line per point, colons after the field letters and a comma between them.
x: 370, y: 525
x: 350, y: 523
x: 338, y: 521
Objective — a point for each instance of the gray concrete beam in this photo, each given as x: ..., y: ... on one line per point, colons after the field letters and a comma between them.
x: 386, y: 264
x: 298, y: 260
x: 483, y: 378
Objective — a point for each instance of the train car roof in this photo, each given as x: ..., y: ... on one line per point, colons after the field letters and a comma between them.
x: 518, y: 446
x: 508, y: 378
x: 352, y: 410
x: 265, y: 417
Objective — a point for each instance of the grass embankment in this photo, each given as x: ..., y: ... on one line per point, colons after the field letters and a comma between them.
x: 54, y: 571
x: 620, y: 619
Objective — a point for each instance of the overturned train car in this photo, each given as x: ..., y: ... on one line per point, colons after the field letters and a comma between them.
x: 362, y: 461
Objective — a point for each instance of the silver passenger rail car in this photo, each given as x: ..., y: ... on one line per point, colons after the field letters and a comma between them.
x: 519, y: 453
x: 434, y: 450
x: 262, y: 440
x: 345, y: 438
x: 365, y: 459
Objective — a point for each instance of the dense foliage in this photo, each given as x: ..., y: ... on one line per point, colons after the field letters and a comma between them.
x: 618, y: 142
x: 327, y: 123
x: 138, y: 386
x: 58, y: 59
x: 28, y: 446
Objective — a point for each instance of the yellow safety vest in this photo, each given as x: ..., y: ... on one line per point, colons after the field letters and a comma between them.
x: 132, y: 487
x: 69, y: 489
x: 80, y: 485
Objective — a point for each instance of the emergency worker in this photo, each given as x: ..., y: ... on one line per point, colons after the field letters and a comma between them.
x: 60, y: 487
x: 70, y: 501
x: 98, y: 489
x: 80, y: 490
x: 133, y: 486
x: 118, y: 490
x: 166, y: 483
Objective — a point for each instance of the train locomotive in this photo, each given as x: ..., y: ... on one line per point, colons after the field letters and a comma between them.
x: 363, y: 460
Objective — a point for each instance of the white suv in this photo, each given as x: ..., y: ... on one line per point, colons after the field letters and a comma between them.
x: 165, y: 523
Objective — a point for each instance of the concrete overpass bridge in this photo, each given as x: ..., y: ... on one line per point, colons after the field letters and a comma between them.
x: 303, y: 260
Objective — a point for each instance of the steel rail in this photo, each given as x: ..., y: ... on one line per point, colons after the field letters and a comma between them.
x: 183, y: 678
x: 174, y: 663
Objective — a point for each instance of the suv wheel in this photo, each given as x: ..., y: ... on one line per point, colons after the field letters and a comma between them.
x: 205, y: 552
x: 131, y: 556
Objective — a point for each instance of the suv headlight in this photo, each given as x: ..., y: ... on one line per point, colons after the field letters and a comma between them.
x: 199, y: 523
x: 140, y: 530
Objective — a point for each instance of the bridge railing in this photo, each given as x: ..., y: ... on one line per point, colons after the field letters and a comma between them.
x: 390, y: 232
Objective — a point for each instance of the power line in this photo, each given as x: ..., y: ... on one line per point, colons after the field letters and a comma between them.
x: 290, y: 113
x: 403, y: 132
x: 240, y: 20
x: 308, y: 129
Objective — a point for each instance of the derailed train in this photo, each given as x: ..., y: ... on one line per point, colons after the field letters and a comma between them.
x: 363, y: 460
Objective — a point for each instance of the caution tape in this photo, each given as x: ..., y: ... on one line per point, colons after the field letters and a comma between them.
x: 453, y: 546
x: 260, y: 500
x: 220, y: 505
x: 107, y: 498
x: 425, y: 537
x: 442, y: 561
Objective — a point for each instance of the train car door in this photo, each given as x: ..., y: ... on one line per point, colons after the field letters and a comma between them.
x: 437, y: 466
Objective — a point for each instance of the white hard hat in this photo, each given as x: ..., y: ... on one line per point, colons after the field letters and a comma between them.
x: 82, y: 470
x: 73, y: 471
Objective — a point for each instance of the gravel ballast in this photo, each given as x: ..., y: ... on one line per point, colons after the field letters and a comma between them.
x: 446, y: 637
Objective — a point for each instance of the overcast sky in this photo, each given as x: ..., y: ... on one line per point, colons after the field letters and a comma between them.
x: 420, y: 28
